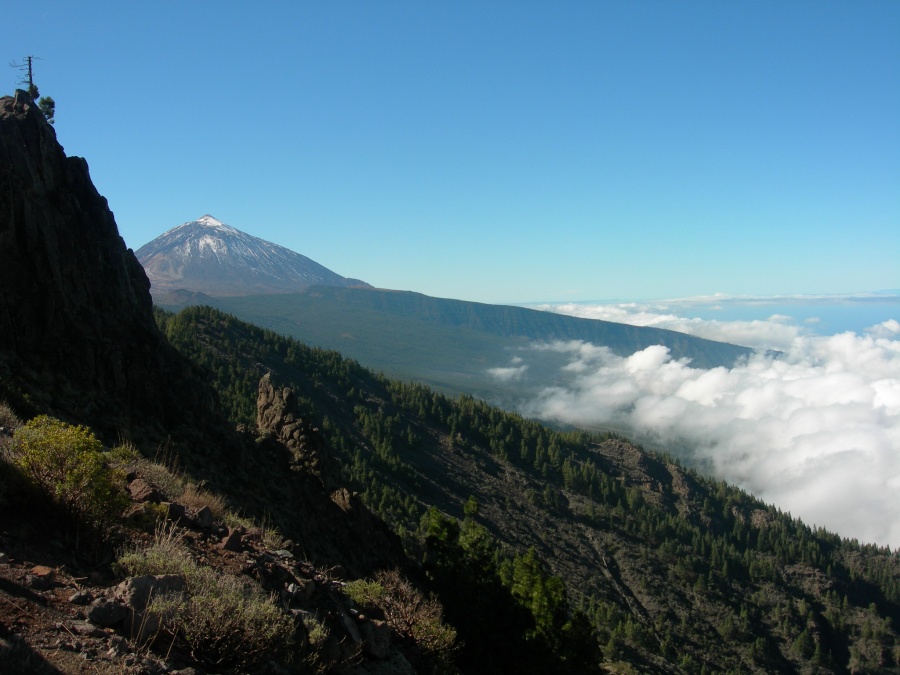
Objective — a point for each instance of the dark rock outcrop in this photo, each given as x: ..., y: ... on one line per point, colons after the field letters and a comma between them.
x: 278, y: 417
x: 335, y: 525
x: 77, y: 333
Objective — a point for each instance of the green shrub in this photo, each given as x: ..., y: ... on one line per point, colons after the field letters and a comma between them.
x: 147, y: 516
x: 195, y: 498
x: 272, y: 539
x: 124, y: 454
x: 227, y: 624
x: 166, y: 555
x: 220, y: 619
x: 316, y: 657
x: 365, y: 593
x: 408, y: 612
x: 67, y: 464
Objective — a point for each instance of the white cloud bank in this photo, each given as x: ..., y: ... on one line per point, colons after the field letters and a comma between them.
x: 815, y: 431
x: 508, y: 374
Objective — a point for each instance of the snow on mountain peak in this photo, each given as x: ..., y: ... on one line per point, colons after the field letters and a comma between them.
x: 209, y: 221
x: 208, y: 256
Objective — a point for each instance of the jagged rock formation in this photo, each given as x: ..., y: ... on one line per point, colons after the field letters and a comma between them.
x: 78, y: 335
x: 277, y: 417
x: 208, y: 256
x: 335, y: 524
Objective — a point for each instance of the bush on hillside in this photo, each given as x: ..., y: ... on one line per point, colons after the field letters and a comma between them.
x: 408, y: 612
x: 220, y: 619
x: 226, y: 624
x: 66, y: 463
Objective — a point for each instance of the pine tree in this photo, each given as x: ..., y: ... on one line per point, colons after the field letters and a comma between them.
x: 45, y: 103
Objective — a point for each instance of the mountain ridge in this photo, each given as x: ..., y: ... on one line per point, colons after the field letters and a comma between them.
x: 79, y: 341
x: 452, y: 345
x: 208, y: 262
x: 78, y: 332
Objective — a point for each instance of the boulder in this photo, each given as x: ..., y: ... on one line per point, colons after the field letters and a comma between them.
x: 136, y: 592
x: 302, y: 590
x: 44, y: 572
x: 376, y: 637
x: 81, y: 597
x: 175, y: 511
x: 232, y: 541
x: 142, y: 491
x: 135, y: 595
x: 86, y: 629
x: 107, y: 613
x: 204, y: 518
x: 350, y: 627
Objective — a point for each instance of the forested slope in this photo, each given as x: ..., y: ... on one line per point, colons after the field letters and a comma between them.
x: 450, y: 345
x: 671, y: 571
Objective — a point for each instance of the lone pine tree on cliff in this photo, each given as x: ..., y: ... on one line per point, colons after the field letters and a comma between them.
x: 45, y: 103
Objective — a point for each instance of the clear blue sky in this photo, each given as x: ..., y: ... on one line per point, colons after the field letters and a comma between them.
x: 497, y: 151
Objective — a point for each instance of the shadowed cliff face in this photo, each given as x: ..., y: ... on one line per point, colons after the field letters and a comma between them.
x: 78, y: 334
x: 78, y: 340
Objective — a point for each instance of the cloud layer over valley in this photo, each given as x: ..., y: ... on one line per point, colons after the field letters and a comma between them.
x: 814, y: 430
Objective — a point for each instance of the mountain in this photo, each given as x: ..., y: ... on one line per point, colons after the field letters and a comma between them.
x: 452, y: 345
x: 544, y: 552
x: 208, y: 256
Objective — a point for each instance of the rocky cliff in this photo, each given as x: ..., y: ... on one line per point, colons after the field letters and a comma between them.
x: 78, y: 340
x: 78, y: 336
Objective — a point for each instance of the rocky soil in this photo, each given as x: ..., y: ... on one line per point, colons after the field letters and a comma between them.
x: 61, y: 614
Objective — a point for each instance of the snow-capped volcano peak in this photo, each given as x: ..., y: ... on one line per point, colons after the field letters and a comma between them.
x: 209, y: 221
x: 206, y: 221
x: 208, y: 256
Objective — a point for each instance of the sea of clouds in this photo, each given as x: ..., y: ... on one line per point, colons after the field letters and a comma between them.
x: 814, y: 430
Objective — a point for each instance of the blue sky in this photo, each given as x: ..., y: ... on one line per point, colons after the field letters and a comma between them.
x: 501, y: 151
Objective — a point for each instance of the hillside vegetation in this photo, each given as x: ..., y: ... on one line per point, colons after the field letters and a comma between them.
x: 449, y: 345
x: 587, y: 541
x: 193, y: 584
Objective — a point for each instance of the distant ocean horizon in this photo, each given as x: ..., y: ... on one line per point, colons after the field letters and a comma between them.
x: 818, y: 315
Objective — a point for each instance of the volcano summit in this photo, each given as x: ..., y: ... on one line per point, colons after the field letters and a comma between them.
x: 208, y: 256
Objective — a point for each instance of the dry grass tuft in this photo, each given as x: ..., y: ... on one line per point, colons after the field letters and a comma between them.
x: 195, y: 498
x: 220, y: 619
